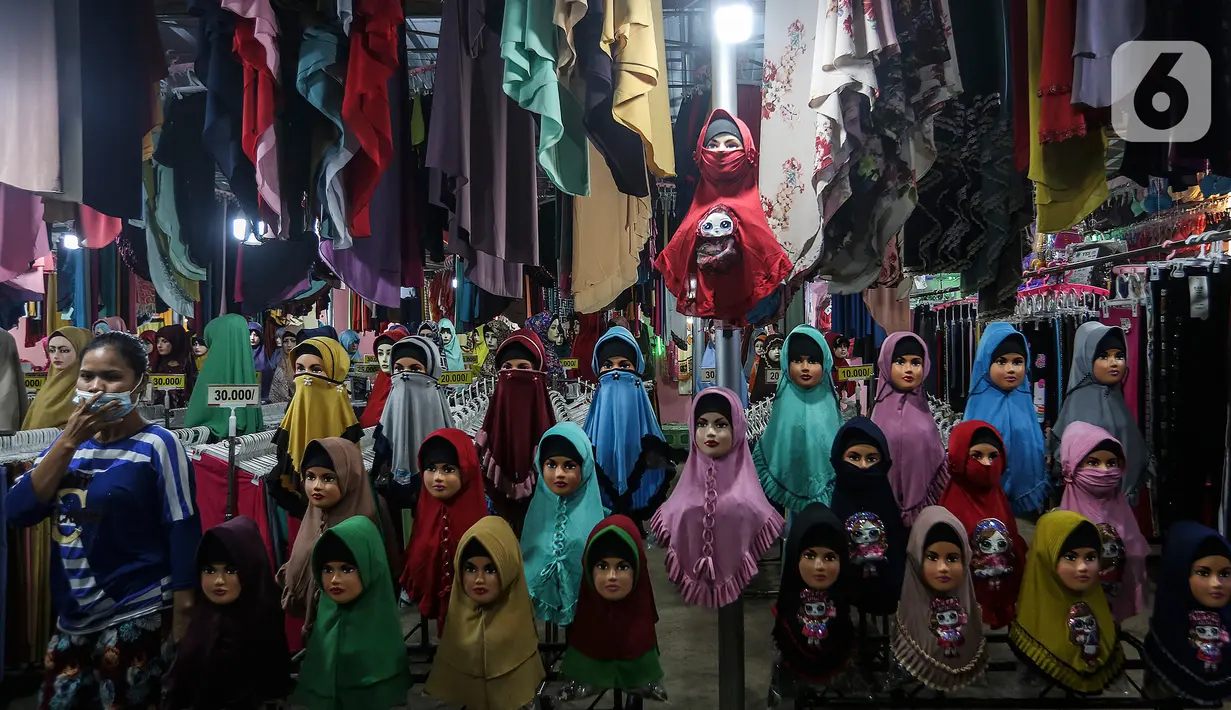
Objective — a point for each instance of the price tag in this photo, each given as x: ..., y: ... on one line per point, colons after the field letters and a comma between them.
x: 569, y: 363
x: 234, y: 395
x: 457, y: 377
x: 365, y: 369
x: 709, y: 374
x: 855, y: 373
x: 685, y: 370
x: 168, y: 382
x: 470, y: 358
x: 370, y: 359
x: 772, y: 376
x: 35, y: 381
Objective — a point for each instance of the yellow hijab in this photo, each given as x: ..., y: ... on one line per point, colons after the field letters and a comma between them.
x: 54, y: 402
x: 321, y: 406
x: 1045, y: 607
x: 489, y: 656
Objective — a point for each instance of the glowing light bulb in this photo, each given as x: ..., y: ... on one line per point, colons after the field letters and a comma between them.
x: 733, y: 22
x: 239, y: 229
x: 68, y: 240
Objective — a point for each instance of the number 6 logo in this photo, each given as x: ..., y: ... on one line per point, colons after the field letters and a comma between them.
x: 1161, y: 92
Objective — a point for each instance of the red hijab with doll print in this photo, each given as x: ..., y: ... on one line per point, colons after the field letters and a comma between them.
x: 975, y: 496
x: 439, y: 524
x: 724, y: 241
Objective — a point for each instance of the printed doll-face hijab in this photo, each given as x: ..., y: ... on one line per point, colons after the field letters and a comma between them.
x: 938, y: 633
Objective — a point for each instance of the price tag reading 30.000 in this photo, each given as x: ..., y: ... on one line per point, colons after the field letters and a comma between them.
x: 234, y: 395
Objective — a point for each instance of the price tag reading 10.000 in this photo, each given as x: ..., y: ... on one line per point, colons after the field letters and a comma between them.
x: 234, y: 395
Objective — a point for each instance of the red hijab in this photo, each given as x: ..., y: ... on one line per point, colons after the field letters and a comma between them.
x: 728, y: 179
x: 591, y: 325
x: 832, y: 338
x: 615, y: 631
x: 384, y: 383
x: 428, y: 577
x: 975, y: 496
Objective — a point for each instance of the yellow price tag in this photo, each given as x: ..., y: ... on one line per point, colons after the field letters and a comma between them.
x: 470, y: 358
x: 856, y: 372
x: 168, y: 382
x: 365, y: 369
x: 370, y: 360
x: 35, y: 381
x: 457, y: 377
x: 569, y: 363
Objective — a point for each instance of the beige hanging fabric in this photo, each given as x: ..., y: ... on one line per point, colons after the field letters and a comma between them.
x: 609, y: 230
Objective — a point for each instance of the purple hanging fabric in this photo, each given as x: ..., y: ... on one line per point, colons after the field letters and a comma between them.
x: 23, y: 233
x: 371, y: 267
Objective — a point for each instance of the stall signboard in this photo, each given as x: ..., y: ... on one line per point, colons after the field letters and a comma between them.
x: 234, y: 396
x: 457, y: 377
x: 168, y: 382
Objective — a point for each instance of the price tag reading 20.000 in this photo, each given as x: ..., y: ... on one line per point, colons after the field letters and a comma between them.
x: 234, y: 395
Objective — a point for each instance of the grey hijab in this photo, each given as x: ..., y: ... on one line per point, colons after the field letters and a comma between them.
x: 1101, y: 405
x: 13, y: 399
x: 416, y: 407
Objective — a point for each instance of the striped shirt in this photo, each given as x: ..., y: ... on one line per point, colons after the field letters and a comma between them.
x: 125, y: 528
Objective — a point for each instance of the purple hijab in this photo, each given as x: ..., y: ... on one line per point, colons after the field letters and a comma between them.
x: 1097, y: 495
x: 713, y: 547
x: 919, y: 473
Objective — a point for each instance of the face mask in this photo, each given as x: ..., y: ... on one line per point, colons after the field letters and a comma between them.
x: 124, y: 398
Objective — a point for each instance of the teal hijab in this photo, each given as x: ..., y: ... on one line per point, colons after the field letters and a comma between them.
x: 356, y: 656
x: 453, y: 351
x: 553, y: 540
x: 792, y: 456
x: 229, y: 363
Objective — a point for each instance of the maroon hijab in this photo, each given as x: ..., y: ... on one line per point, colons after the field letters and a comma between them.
x: 615, y: 631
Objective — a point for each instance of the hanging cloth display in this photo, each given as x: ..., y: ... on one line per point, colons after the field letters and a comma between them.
x: 726, y: 208
x: 229, y: 363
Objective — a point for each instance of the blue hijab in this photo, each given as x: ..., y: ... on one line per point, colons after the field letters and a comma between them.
x: 619, y: 418
x: 553, y: 539
x: 1169, y: 645
x: 349, y: 338
x: 452, y: 351
x: 1014, y: 416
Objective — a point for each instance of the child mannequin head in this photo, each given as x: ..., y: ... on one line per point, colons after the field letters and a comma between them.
x: 613, y: 566
x: 1110, y: 365
x: 861, y: 451
x: 409, y: 356
x: 480, y: 576
x: 616, y: 354
x: 1107, y: 456
x: 1078, y: 564
x: 944, y: 568
x: 712, y: 433
x: 220, y: 580
x: 722, y: 135
x: 308, y: 360
x: 442, y: 473
x: 340, y: 577
x: 515, y: 356
x: 841, y: 347
x: 985, y: 447
x: 1209, y: 577
x: 907, y: 369
x: 1008, y: 369
x: 560, y: 462
x: 320, y: 481
x: 820, y: 557
x: 807, y: 361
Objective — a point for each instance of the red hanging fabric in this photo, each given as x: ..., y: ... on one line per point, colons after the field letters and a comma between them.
x: 260, y: 105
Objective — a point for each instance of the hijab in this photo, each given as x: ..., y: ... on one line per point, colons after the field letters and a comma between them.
x: 614, y: 644
x: 434, y: 336
x: 792, y: 456
x: 1087, y: 400
x: 488, y: 658
x: 349, y: 338
x: 453, y: 351
x: 1194, y: 666
x: 321, y: 406
x: 848, y: 388
x: 384, y: 382
x: 721, y: 499
x: 554, y: 536
x: 1051, y: 618
x: 501, y: 328
x: 812, y: 628
x: 356, y: 657
x: 439, y: 524
x: 1014, y: 417
x: 13, y: 398
x: 198, y: 360
x: 918, y: 475
x: 974, y: 495
x: 865, y: 502
x: 298, y: 583
x: 416, y: 407
x: 260, y: 360
x: 107, y: 325
x: 180, y: 360
x: 519, y: 412
x: 619, y: 422
x: 728, y: 182
x: 1098, y: 495
x: 755, y: 361
x: 540, y: 323
x: 938, y: 636
x: 763, y: 383
x: 54, y: 402
x: 233, y: 655
x: 229, y: 363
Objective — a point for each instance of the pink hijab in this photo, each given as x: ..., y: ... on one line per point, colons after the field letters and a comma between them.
x: 1097, y: 495
x: 717, y: 521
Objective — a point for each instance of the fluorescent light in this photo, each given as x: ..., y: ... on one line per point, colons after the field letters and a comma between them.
x: 260, y: 229
x: 454, y: 283
x: 68, y: 240
x: 733, y: 22
x: 239, y: 229
x: 252, y: 241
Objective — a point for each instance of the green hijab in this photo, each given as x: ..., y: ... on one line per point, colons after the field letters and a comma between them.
x: 792, y: 456
x: 229, y: 363
x: 356, y: 657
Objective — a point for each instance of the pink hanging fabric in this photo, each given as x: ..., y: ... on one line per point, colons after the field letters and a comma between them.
x: 23, y: 233
x: 96, y: 229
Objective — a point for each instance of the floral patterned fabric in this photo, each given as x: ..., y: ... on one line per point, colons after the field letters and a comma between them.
x: 119, y: 668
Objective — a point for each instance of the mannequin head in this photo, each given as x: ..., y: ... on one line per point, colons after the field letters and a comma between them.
x: 321, y: 485
x: 199, y: 348
x: 758, y: 347
x: 862, y: 455
x: 163, y: 346
x: 723, y: 135
x: 574, y: 326
x: 426, y: 331
x: 807, y: 361
x: 219, y: 574
x: 442, y: 474
x: 340, y: 577
x: 944, y: 568
x: 555, y: 333
x: 384, y: 357
x: 254, y: 338
x: 616, y: 354
x: 819, y: 567
x: 309, y: 363
x: 906, y: 372
x: 1110, y: 363
x: 61, y: 353
x: 490, y: 338
x: 613, y: 565
x: 712, y: 431
x: 773, y: 352
x: 516, y: 356
x: 446, y: 336
x: 1078, y: 565
x: 561, y: 465
x: 1107, y: 456
x: 1209, y: 580
x: 1008, y: 369
x: 289, y: 341
x: 842, y: 348
x: 480, y: 576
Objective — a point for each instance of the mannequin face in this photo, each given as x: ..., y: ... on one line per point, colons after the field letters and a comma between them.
x: 490, y: 338
x: 163, y: 346
x: 714, y: 436
x: 1210, y: 581
x: 408, y: 364
x: 353, y: 348
x: 288, y: 342
x: 443, y: 480
x: 517, y: 363
x: 985, y: 454
x: 254, y: 338
x: 446, y: 336
x: 562, y: 474
x: 805, y: 372
x: 774, y: 355
x: 1101, y: 461
x: 1008, y: 371
x: 341, y: 582
x: 616, y: 362
x: 1110, y: 367
x: 61, y: 353
x: 481, y: 580
x: 863, y: 456
x: 613, y: 578
x: 724, y: 143
x: 842, y: 350
x: 425, y: 331
x: 149, y: 347
x: 758, y: 347
x: 309, y: 363
x: 553, y: 331
x: 819, y: 567
x: 1078, y: 568
x: 100, y: 328
x: 907, y: 373
x: 943, y: 569
x: 220, y: 582
x: 199, y: 349
x: 321, y: 485
x: 384, y: 357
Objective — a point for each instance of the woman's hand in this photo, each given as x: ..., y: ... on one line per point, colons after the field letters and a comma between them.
x: 85, y: 421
